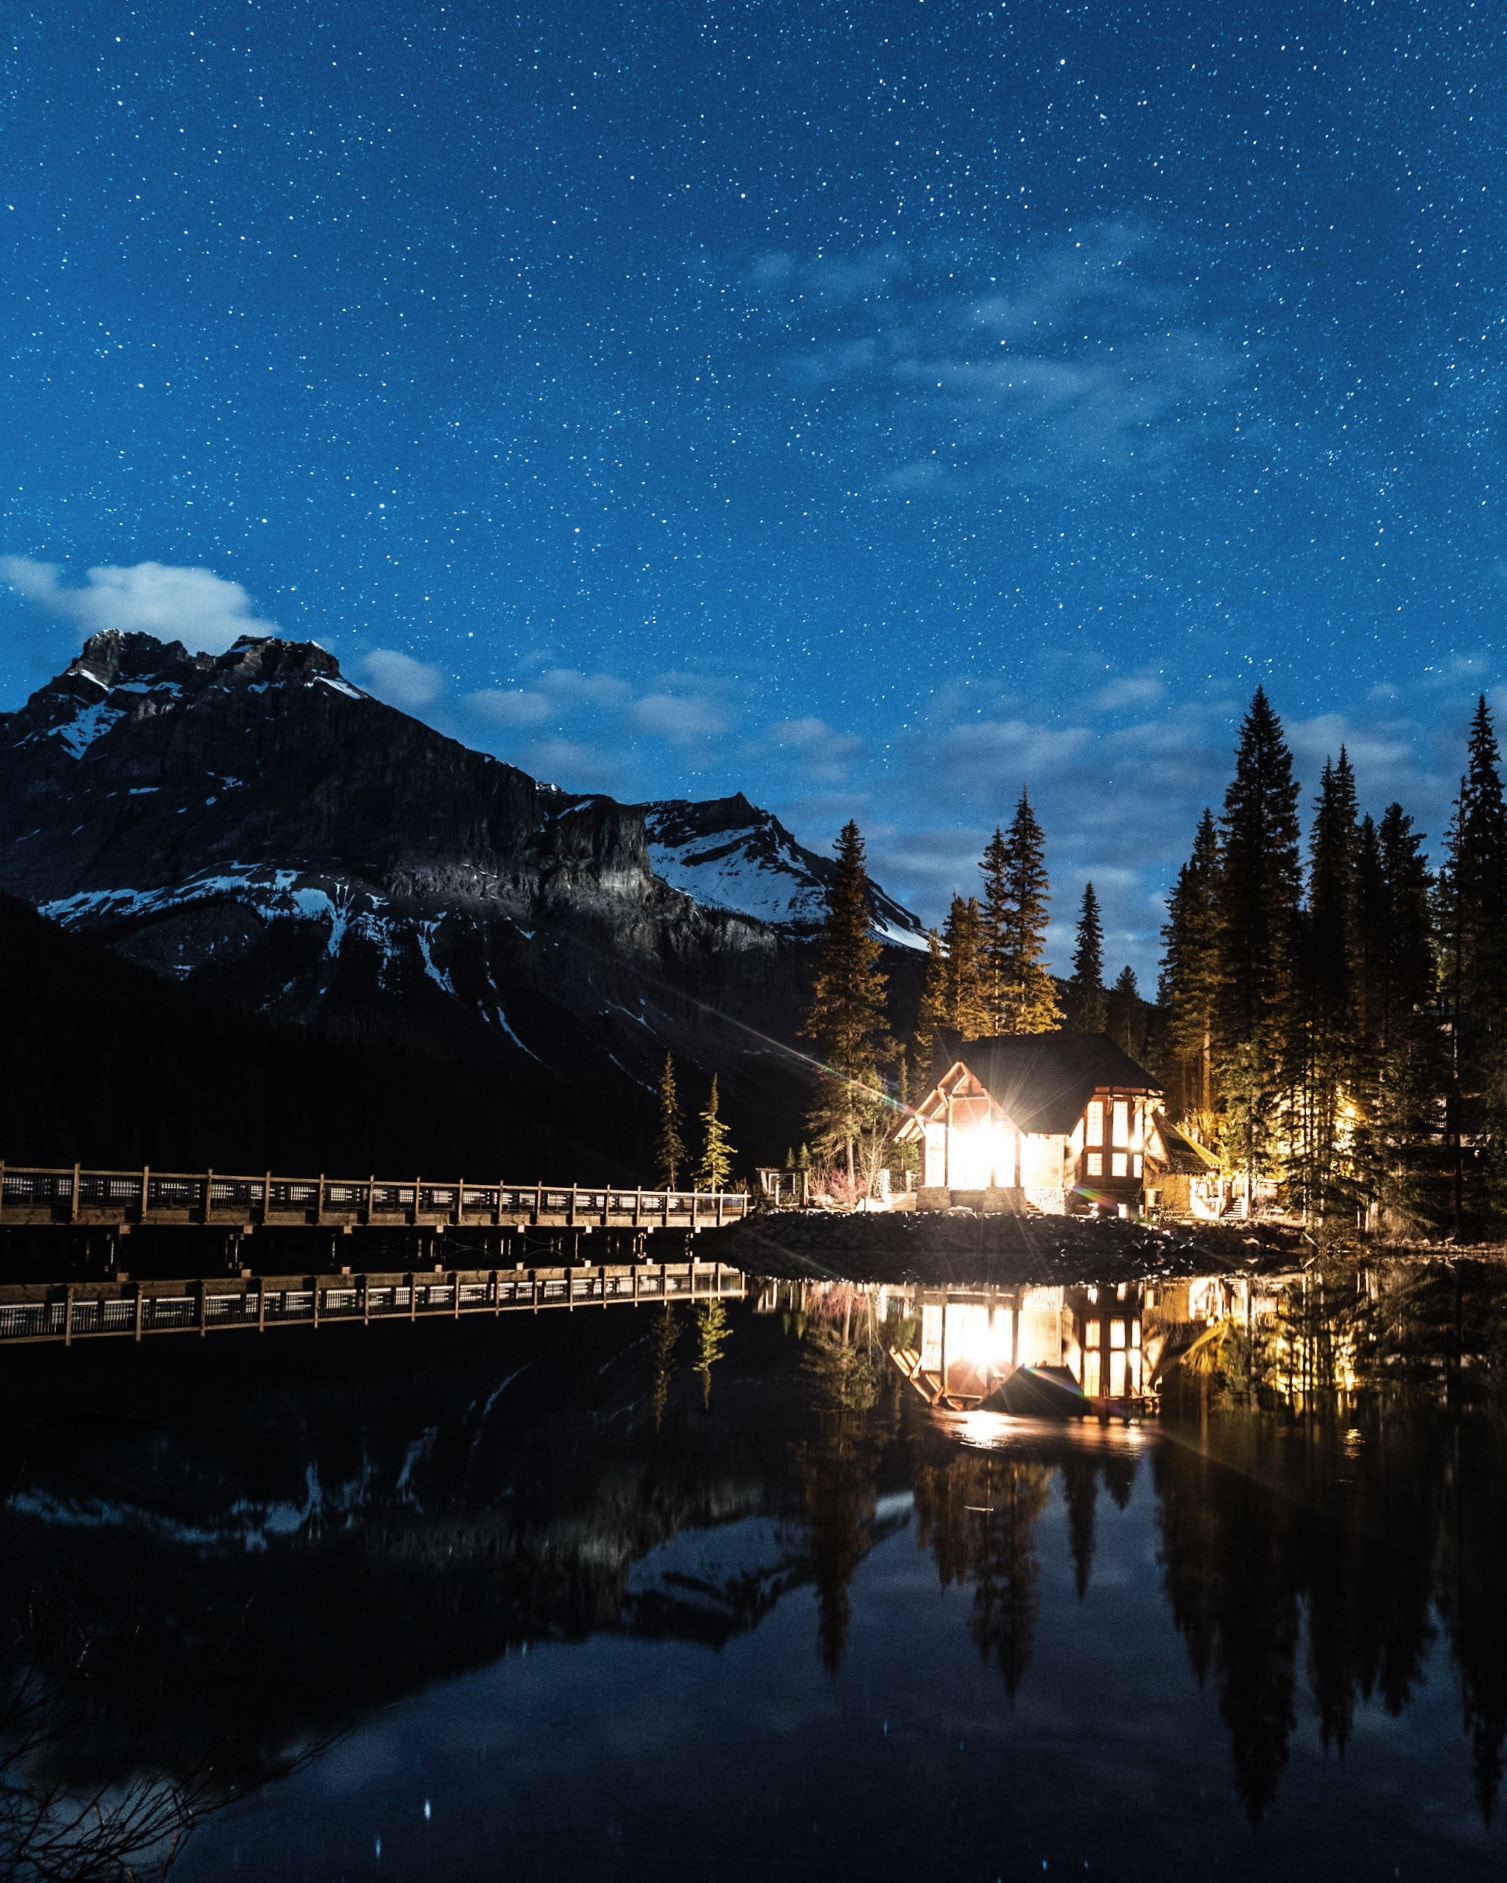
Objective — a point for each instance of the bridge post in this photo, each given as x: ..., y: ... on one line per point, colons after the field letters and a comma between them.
x: 146, y: 1190
x: 2, y: 1186
x: 371, y: 1200
x: 73, y: 1202
x: 68, y: 1316
x: 319, y: 1203
x: 209, y: 1190
x: 139, y: 1299
x: 261, y: 1304
x: 460, y: 1201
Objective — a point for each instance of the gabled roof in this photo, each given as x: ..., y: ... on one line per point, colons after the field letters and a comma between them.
x: 1184, y: 1155
x: 1043, y: 1081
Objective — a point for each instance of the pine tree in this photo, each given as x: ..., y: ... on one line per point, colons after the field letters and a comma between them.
x: 967, y: 1009
x: 846, y: 1018
x: 1027, y: 1000
x: 669, y: 1150
x: 1125, y: 1015
x: 931, y: 1010
x: 994, y: 930
x: 1323, y: 1041
x: 716, y: 1162
x: 1259, y: 893
x: 1473, y: 911
x: 1086, y: 1010
x: 1400, y: 1067
x: 1189, y: 988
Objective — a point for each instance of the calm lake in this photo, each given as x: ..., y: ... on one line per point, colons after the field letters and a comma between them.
x: 445, y: 1603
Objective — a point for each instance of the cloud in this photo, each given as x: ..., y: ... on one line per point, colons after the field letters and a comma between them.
x: 1088, y: 353
x: 1128, y: 691
x: 203, y: 610
x: 508, y: 706
x: 400, y: 679
x: 682, y: 718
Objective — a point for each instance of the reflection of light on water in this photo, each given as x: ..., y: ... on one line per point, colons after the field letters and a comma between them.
x: 1001, y: 1431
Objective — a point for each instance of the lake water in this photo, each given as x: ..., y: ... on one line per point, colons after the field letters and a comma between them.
x: 442, y: 1603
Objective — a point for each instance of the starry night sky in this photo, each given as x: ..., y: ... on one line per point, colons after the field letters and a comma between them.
x: 876, y: 408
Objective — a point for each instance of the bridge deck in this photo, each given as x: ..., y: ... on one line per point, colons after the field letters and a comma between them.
x: 122, y: 1199
x: 90, y: 1310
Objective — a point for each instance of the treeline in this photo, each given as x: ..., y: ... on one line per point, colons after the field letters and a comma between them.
x: 1331, y: 1020
x: 1334, y: 1024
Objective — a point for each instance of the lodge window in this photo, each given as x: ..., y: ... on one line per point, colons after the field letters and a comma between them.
x: 1096, y: 1163
x: 1096, y: 1121
x: 1135, y: 1165
x: 1135, y: 1333
x: 1117, y: 1163
x: 1090, y: 1333
x: 1121, y: 1122
x: 1091, y: 1373
x: 1117, y: 1333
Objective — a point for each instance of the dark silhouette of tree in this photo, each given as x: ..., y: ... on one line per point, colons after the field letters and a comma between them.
x: 967, y: 1009
x: 1189, y: 988
x: 1125, y: 1020
x: 1084, y: 1008
x: 1473, y: 913
x: 1323, y: 1039
x: 846, y: 1017
x: 1260, y: 885
x: 932, y: 1012
x: 1015, y: 939
x: 1080, y: 1492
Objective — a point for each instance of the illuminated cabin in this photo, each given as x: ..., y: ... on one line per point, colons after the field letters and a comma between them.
x: 1046, y: 1121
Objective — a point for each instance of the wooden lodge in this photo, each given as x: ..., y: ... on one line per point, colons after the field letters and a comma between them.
x: 1055, y: 1122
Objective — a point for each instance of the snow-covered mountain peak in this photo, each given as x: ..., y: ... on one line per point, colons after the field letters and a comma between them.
x: 726, y: 853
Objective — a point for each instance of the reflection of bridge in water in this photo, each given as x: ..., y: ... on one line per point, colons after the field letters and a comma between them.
x: 78, y: 1311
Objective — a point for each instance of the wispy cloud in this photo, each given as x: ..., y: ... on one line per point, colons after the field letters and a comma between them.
x: 400, y: 679
x: 1089, y: 354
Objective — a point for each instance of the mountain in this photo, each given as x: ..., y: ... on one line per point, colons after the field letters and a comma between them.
x: 255, y: 826
x: 726, y: 853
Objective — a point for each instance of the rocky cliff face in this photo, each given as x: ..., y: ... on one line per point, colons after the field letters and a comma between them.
x: 257, y: 826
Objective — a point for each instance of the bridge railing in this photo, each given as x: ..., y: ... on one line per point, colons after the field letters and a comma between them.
x: 76, y: 1195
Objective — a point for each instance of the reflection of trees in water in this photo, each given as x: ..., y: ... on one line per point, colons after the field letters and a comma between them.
x: 839, y: 1470
x: 977, y: 1512
x: 1365, y: 1529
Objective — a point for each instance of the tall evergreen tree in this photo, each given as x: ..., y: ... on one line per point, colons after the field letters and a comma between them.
x: 1189, y: 988
x: 1027, y: 999
x: 1400, y: 1069
x: 1323, y: 1040
x: 846, y: 1018
x: 994, y: 930
x: 1473, y: 911
x: 1125, y: 1014
x: 1259, y: 893
x: 669, y: 1148
x: 931, y: 1010
x: 967, y: 1009
x: 716, y: 1163
x: 1085, y: 1009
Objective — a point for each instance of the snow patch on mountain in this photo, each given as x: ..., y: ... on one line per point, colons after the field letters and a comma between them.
x: 728, y: 854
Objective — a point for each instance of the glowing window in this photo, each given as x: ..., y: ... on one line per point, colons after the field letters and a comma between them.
x: 1117, y: 1333
x: 1091, y: 1333
x: 1135, y: 1333
x: 1096, y: 1163
x: 1096, y: 1121
x: 1117, y: 1163
x: 1135, y: 1164
x: 1121, y: 1121
x: 1091, y: 1364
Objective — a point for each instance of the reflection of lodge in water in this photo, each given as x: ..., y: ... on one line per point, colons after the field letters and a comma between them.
x: 1099, y: 1347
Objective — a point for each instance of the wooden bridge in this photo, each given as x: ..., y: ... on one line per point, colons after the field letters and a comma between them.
x: 80, y: 1311
x: 122, y: 1199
